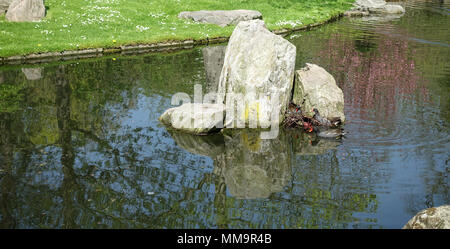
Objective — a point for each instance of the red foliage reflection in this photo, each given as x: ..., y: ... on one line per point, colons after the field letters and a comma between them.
x: 373, y: 72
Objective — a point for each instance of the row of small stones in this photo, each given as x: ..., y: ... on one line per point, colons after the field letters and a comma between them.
x: 131, y: 49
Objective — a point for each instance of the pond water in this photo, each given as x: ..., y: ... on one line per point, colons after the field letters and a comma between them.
x: 81, y: 146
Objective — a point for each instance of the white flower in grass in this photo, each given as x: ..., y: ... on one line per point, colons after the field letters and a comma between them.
x: 289, y: 22
x: 141, y: 28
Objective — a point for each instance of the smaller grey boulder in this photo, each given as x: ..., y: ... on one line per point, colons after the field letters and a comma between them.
x: 314, y: 87
x: 221, y: 17
x: 431, y: 218
x: 26, y: 11
x: 393, y: 9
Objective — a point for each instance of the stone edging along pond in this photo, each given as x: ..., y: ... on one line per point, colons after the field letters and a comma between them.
x: 37, y: 58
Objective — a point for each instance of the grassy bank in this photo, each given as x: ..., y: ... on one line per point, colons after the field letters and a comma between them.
x: 81, y: 24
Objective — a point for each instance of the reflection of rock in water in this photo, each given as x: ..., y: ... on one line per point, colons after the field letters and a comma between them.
x: 381, y: 18
x: 32, y: 73
x: 256, y: 168
x: 366, y: 43
x: 211, y: 146
x: 310, y: 144
x: 250, y: 166
x: 2, y: 78
x: 213, y: 60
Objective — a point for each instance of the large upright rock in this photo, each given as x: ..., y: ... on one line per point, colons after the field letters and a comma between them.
x: 259, y: 65
x: 26, y: 11
x: 221, y: 17
x: 316, y: 88
x: 4, y: 4
x: 431, y: 218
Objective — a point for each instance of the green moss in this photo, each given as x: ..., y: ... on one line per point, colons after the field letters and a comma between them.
x: 81, y: 24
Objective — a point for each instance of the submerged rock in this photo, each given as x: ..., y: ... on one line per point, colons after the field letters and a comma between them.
x: 258, y: 65
x: 221, y: 17
x: 316, y: 88
x: 26, y: 11
x: 431, y: 218
x: 4, y: 4
x: 194, y: 118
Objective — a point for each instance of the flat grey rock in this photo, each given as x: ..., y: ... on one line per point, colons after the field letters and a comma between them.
x: 194, y: 118
x: 26, y: 11
x: 221, y: 17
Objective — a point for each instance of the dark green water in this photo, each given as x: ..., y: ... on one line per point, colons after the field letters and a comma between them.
x: 81, y: 146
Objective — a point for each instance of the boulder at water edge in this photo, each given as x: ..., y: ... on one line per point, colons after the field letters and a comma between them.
x: 316, y: 88
x: 4, y: 4
x: 26, y: 11
x: 194, y: 118
x: 431, y: 218
x: 363, y: 7
x: 258, y: 66
x: 221, y: 17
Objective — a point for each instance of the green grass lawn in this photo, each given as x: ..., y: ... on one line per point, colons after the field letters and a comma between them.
x: 80, y: 24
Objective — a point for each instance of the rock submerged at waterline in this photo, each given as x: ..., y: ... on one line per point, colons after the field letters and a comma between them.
x: 259, y: 66
x: 221, y: 17
x: 194, y: 118
x: 26, y: 11
x: 314, y: 87
x: 431, y: 218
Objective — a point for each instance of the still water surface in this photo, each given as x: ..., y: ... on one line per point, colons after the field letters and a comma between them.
x: 81, y: 146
